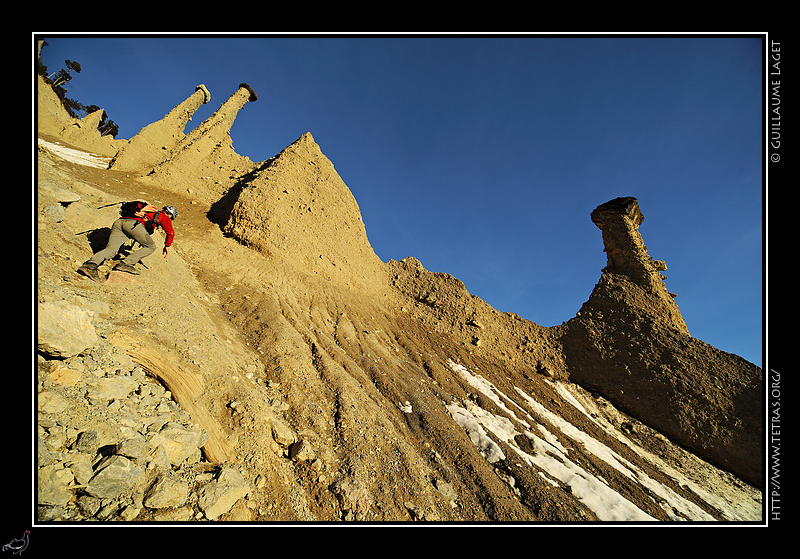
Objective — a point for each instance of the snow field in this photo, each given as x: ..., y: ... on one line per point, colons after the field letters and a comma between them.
x: 551, y: 460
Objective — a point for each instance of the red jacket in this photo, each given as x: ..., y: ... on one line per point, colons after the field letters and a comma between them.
x: 163, y: 221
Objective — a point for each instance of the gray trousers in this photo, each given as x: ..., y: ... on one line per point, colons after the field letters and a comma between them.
x: 121, y: 231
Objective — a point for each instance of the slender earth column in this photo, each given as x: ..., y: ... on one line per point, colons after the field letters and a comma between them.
x: 156, y: 141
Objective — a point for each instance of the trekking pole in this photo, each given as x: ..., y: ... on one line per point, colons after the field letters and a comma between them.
x: 108, y: 205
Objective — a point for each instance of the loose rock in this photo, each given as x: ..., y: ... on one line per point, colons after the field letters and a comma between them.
x: 218, y: 497
x: 115, y: 476
x: 64, y: 330
x: 167, y: 492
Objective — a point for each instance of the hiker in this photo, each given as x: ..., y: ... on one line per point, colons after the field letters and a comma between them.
x: 138, y: 219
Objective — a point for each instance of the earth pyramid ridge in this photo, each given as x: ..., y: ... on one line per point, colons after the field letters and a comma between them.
x: 319, y: 220
x: 371, y: 354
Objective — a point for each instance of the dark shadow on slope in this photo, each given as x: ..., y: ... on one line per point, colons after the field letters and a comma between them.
x: 98, y: 238
x: 704, y: 399
x: 220, y: 211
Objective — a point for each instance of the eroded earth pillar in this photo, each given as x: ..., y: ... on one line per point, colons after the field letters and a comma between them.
x: 156, y: 141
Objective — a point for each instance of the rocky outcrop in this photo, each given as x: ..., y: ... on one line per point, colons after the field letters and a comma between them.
x: 630, y: 343
x: 51, y: 116
x: 54, y: 121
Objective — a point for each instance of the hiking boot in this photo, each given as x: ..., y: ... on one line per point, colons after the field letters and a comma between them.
x: 89, y: 269
x: 122, y: 267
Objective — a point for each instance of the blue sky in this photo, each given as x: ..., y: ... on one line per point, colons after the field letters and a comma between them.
x: 483, y: 156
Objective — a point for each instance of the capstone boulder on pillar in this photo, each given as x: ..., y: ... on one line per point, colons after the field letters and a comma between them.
x: 205, y: 159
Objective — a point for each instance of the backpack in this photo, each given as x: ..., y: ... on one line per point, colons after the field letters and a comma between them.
x: 131, y: 209
x: 151, y: 224
x: 135, y: 209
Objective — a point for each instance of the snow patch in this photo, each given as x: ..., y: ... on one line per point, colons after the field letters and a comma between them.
x: 606, y: 503
x: 76, y: 156
x: 550, y: 458
x: 486, y: 446
x: 733, y: 502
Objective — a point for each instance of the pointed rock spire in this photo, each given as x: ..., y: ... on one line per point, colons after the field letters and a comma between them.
x: 83, y: 132
x: 298, y: 209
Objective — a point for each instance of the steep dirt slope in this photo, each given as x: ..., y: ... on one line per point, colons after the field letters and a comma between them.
x: 345, y: 388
